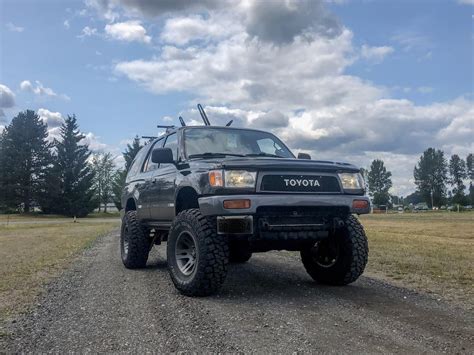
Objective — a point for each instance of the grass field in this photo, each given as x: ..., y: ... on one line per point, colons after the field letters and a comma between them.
x: 33, y: 250
x: 433, y: 252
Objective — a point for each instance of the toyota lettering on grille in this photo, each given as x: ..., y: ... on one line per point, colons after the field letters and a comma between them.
x: 301, y: 182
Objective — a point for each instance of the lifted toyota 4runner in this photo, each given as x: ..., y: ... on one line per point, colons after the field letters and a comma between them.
x: 219, y: 194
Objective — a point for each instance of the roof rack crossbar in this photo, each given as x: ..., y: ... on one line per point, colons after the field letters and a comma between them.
x: 203, y: 115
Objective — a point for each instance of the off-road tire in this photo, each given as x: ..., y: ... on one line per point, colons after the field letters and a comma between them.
x: 139, y: 242
x: 212, y: 254
x: 350, y: 264
x: 239, y: 252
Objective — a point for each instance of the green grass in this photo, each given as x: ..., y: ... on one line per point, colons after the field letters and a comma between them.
x: 31, y: 254
x: 433, y: 252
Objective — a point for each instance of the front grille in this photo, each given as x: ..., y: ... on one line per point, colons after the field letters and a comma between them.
x: 300, y: 183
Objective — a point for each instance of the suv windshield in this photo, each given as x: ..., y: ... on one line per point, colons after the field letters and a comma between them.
x: 203, y: 142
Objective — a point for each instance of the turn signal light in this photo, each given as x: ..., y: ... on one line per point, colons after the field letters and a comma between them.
x: 236, y: 204
x: 215, y: 178
x: 360, y: 204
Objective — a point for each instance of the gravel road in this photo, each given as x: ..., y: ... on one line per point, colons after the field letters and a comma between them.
x: 267, y: 305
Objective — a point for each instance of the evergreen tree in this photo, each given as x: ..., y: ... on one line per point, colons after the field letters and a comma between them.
x: 379, y: 180
x: 457, y: 171
x: 25, y: 156
x: 72, y: 174
x: 470, y: 175
x: 131, y: 152
x: 103, y: 167
x: 431, y: 176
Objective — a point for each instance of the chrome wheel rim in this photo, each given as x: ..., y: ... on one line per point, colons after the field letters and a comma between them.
x: 186, y: 253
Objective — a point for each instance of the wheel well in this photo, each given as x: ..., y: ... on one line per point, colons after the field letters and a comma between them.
x: 130, y: 206
x: 187, y: 198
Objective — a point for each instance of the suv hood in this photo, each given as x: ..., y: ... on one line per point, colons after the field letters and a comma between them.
x: 259, y: 163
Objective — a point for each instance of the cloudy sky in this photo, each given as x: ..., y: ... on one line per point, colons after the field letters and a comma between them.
x: 344, y: 80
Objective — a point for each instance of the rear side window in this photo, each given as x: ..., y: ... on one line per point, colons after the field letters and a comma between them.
x: 137, y: 163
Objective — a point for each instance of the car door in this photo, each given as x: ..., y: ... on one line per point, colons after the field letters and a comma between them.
x: 135, y: 184
x: 148, y: 189
x: 164, y: 185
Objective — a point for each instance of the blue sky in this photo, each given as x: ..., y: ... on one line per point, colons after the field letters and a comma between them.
x: 345, y: 80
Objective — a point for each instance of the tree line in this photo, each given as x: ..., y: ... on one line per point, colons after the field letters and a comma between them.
x: 61, y: 176
x: 64, y: 177
x: 439, y: 181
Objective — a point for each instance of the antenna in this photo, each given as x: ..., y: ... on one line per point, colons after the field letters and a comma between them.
x: 181, y: 120
x: 165, y: 127
x: 149, y: 137
x: 229, y: 123
x: 203, y: 115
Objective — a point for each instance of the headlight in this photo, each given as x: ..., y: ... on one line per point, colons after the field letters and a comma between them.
x: 232, y: 178
x: 352, y: 181
x: 239, y: 178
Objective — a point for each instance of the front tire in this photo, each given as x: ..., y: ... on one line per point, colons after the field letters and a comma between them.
x: 340, y: 259
x: 134, y: 243
x: 197, y: 255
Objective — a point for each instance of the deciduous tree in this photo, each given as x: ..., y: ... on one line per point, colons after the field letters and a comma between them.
x: 379, y: 181
x: 431, y: 176
x: 457, y: 171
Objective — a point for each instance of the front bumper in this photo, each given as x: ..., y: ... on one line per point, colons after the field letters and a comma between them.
x: 214, y: 205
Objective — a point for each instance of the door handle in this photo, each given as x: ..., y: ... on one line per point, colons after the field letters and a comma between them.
x: 153, y: 181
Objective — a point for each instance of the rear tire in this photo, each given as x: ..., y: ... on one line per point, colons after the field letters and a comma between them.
x: 197, y: 255
x: 135, y: 244
x: 239, y: 252
x: 340, y: 259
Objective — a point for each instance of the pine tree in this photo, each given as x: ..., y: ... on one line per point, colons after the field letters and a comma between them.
x: 470, y: 175
x: 457, y: 171
x: 431, y: 175
x: 379, y: 181
x: 25, y: 156
x: 71, y: 173
x: 131, y: 152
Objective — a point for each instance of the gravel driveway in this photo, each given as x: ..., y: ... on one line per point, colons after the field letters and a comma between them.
x: 267, y: 305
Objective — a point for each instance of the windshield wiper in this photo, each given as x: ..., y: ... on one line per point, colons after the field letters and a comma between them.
x: 214, y: 155
x: 262, y: 154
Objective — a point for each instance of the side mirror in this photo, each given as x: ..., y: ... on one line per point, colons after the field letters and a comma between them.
x: 162, y: 156
x: 304, y: 156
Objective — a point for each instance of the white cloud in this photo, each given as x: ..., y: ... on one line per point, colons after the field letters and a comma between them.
x: 182, y: 30
x: 52, y: 119
x: 466, y: 2
x: 296, y: 85
x: 7, y: 97
x: 129, y: 31
x: 375, y: 54
x: 87, y: 32
x: 425, y: 89
x: 12, y: 28
x: 94, y: 142
x: 40, y: 90
x: 66, y: 24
